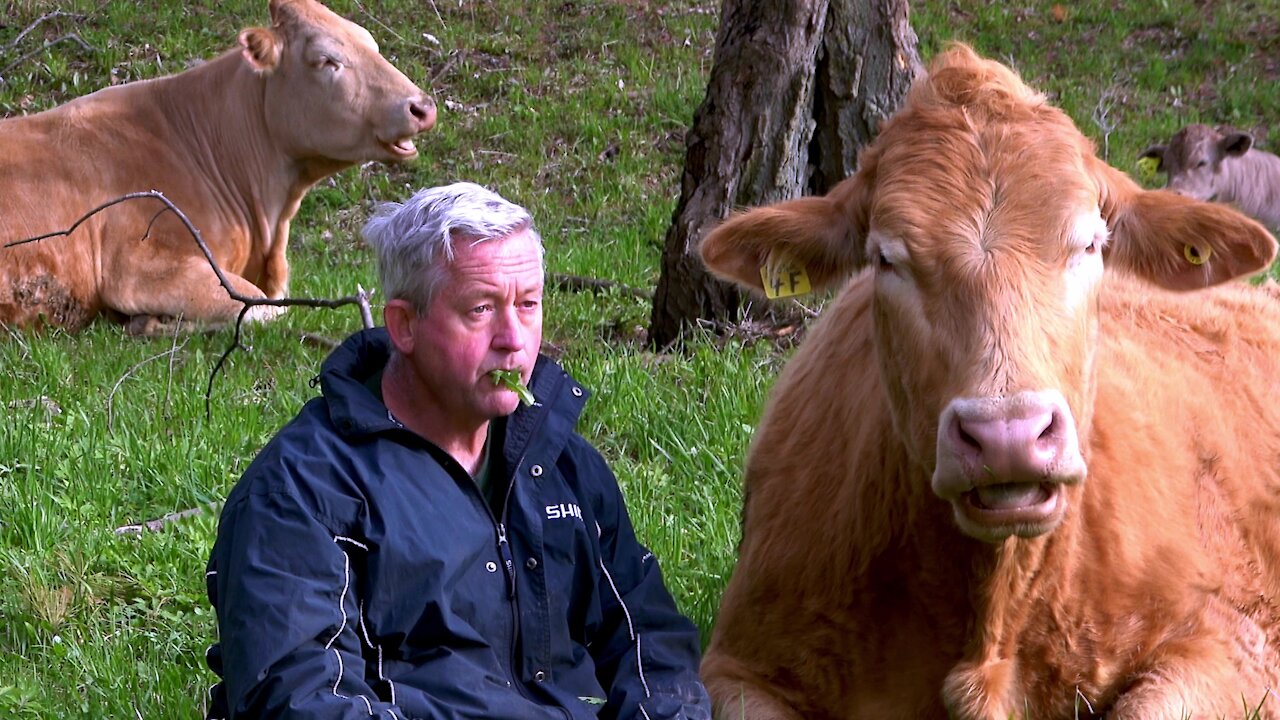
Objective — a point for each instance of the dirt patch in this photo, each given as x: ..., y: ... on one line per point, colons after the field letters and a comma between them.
x: 44, y: 300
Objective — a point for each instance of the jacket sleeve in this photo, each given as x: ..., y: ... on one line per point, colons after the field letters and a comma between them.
x: 646, y: 652
x: 283, y: 584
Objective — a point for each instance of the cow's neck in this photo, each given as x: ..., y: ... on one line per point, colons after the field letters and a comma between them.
x: 1007, y: 584
x: 223, y: 130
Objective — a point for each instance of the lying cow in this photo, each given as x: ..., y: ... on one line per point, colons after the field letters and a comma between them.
x: 1222, y: 165
x: 234, y: 143
x: 1011, y: 473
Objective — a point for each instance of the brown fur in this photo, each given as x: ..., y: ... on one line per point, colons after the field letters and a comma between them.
x: 235, y: 143
x: 856, y: 594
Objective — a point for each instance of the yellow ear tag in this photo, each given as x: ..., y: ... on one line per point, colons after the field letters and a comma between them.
x: 783, y: 276
x: 1195, y: 255
x: 1147, y: 169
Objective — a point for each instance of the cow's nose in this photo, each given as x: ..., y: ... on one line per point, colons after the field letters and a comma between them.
x: 1023, y: 446
x: 423, y: 112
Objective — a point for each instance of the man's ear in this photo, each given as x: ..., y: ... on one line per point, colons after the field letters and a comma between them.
x: 260, y: 48
x: 398, y: 315
x: 823, y: 236
x: 1175, y: 241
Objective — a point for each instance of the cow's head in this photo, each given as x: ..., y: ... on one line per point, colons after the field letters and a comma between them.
x: 1194, y: 156
x: 987, y: 220
x: 330, y: 95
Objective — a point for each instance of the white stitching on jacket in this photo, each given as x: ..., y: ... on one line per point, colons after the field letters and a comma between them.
x: 364, y: 630
x: 631, y: 630
x: 342, y: 610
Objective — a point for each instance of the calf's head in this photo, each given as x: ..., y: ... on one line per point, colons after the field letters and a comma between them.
x: 330, y: 95
x: 987, y: 221
x: 1194, y: 157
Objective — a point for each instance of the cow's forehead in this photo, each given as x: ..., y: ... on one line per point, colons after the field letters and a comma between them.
x: 311, y: 20
x: 1192, y: 141
x: 978, y: 189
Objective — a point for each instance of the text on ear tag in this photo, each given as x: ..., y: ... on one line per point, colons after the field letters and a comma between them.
x: 784, y: 276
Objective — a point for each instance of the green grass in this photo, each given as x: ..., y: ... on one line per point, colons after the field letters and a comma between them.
x: 576, y: 109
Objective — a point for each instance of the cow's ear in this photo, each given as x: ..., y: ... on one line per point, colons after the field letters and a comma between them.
x: 1157, y: 152
x: 1235, y: 143
x: 1175, y: 241
x: 823, y: 236
x: 260, y: 48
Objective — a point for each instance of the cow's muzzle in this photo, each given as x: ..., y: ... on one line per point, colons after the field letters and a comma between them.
x: 1004, y: 462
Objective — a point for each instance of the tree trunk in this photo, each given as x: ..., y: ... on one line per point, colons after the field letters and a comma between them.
x: 781, y: 71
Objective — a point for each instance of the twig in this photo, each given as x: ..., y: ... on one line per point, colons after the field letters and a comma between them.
x: 245, y: 300
x: 362, y: 300
x: 159, y: 523
x: 575, y: 283
x: 448, y: 65
x: 1102, y: 118
x: 111, y: 395
x: 36, y: 23
x: 173, y: 352
x: 28, y: 55
x: 378, y: 20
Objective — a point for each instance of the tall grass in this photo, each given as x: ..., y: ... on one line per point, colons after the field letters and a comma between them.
x: 575, y: 108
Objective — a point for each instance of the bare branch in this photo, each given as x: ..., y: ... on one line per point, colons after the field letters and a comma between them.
x: 247, y: 300
x: 159, y: 523
x: 36, y: 23
x: 1102, y: 118
x: 32, y: 53
x: 361, y: 299
x: 173, y: 352
x: 111, y: 395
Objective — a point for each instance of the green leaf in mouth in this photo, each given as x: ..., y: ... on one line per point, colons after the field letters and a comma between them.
x: 511, y: 378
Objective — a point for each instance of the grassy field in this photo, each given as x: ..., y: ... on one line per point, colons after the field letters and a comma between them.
x: 575, y: 108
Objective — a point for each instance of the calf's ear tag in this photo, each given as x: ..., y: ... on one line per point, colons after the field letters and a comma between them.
x: 1147, y: 169
x: 784, y: 276
x: 1195, y: 255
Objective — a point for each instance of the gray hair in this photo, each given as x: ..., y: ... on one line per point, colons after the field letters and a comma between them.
x: 411, y: 237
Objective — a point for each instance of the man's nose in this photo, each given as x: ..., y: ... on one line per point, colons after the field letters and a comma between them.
x: 510, y: 334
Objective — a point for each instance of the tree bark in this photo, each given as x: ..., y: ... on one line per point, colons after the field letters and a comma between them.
x: 782, y: 70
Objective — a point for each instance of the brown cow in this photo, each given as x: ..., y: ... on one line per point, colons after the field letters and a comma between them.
x: 234, y: 142
x: 1222, y: 165
x: 919, y: 538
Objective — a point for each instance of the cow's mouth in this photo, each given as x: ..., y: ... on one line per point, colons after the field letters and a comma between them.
x: 401, y: 149
x: 1024, y: 509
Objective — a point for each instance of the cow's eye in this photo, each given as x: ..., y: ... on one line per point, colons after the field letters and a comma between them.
x: 883, y: 263
x: 331, y: 64
x: 1091, y: 248
x: 1202, y: 163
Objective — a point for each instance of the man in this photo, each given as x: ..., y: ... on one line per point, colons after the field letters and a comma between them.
x: 419, y: 544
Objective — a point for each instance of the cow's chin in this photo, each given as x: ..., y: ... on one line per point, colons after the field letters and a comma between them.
x: 996, y: 512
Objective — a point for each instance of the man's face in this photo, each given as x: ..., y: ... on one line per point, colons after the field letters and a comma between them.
x: 487, y: 315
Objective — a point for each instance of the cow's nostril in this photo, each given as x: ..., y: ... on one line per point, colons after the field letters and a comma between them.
x: 1050, y: 428
x: 421, y: 110
x: 966, y: 439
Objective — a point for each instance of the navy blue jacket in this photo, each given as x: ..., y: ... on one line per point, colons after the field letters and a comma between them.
x: 358, y: 571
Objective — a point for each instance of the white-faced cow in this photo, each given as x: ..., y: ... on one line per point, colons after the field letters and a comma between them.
x: 234, y: 143
x: 1027, y: 464
x: 1222, y: 165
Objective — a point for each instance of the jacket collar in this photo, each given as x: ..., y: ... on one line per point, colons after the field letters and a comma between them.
x: 355, y: 411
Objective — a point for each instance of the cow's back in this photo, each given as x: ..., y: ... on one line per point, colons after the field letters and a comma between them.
x: 1187, y: 417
